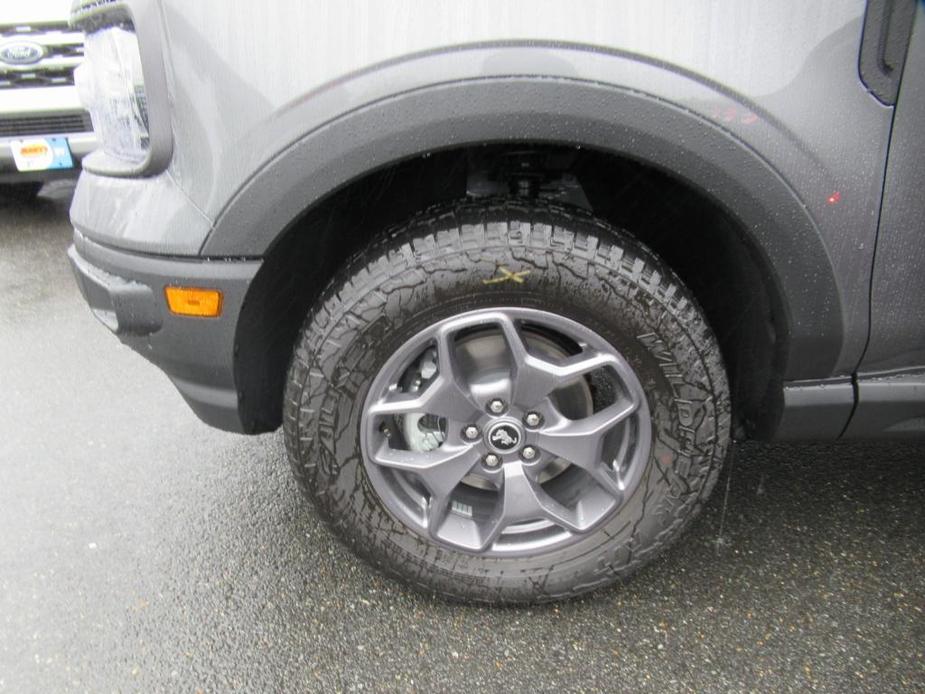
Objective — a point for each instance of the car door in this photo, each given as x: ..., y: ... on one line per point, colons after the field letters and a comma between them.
x: 891, y: 376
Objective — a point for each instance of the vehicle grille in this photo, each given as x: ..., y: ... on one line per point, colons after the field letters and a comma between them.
x: 63, y: 52
x: 21, y: 126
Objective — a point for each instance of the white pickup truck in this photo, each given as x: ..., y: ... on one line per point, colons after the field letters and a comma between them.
x: 44, y: 131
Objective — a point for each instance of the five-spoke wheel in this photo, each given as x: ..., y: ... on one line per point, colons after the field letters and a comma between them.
x: 505, y: 430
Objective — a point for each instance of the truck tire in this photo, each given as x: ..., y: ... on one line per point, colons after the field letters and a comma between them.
x: 506, y: 402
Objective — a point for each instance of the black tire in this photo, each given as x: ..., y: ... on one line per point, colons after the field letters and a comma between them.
x: 433, y: 267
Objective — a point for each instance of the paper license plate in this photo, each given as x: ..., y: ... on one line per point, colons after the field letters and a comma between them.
x: 42, y: 153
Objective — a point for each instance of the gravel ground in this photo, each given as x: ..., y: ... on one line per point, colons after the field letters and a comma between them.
x: 143, y: 551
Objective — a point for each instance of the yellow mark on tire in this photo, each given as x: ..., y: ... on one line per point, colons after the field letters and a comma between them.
x: 507, y: 276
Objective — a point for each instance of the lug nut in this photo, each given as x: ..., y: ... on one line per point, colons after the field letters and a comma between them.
x: 491, y: 460
x: 528, y: 453
x: 533, y: 419
x: 496, y: 406
x: 471, y: 432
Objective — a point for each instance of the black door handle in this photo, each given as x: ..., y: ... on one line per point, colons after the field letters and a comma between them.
x: 887, y: 28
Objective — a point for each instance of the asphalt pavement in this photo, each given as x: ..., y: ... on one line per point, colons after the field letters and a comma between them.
x: 143, y: 551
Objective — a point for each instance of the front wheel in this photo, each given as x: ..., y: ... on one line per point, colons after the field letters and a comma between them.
x: 507, y: 402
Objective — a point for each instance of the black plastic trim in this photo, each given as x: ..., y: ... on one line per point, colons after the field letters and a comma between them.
x: 890, y: 404
x: 90, y: 15
x: 124, y: 306
x: 816, y: 409
x: 887, y: 28
x: 126, y: 292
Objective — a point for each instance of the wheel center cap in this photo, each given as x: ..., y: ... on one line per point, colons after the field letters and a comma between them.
x: 504, y: 437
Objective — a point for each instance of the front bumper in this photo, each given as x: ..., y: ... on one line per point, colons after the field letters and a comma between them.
x: 125, y: 291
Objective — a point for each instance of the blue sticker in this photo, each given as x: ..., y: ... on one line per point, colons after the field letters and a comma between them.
x: 61, y: 153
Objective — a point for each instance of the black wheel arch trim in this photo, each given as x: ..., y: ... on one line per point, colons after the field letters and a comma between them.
x: 562, y: 111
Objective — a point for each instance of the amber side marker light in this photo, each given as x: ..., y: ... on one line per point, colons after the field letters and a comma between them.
x: 194, y: 301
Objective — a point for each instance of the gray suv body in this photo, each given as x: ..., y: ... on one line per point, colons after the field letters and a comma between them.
x: 769, y: 154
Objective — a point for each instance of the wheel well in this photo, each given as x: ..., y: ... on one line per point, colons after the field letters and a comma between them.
x: 691, y: 231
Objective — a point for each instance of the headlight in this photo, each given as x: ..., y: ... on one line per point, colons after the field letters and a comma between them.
x: 112, y: 88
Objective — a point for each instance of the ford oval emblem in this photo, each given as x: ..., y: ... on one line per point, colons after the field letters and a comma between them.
x: 21, y: 52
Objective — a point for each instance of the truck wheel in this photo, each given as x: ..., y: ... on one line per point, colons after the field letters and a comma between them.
x: 507, y: 402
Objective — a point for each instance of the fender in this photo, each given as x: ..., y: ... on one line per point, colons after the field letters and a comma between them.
x: 565, y: 110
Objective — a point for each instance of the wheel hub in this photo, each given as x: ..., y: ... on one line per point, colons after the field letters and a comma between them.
x: 504, y: 437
